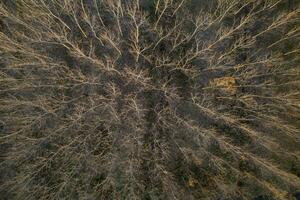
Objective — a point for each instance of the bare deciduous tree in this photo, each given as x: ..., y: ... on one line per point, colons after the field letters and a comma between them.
x: 149, y: 99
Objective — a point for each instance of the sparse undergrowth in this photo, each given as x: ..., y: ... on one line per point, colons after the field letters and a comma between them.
x: 143, y: 99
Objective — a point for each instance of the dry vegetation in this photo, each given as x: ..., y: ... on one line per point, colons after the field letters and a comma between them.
x: 149, y: 99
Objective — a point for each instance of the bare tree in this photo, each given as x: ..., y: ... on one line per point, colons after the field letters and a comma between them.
x: 149, y: 99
